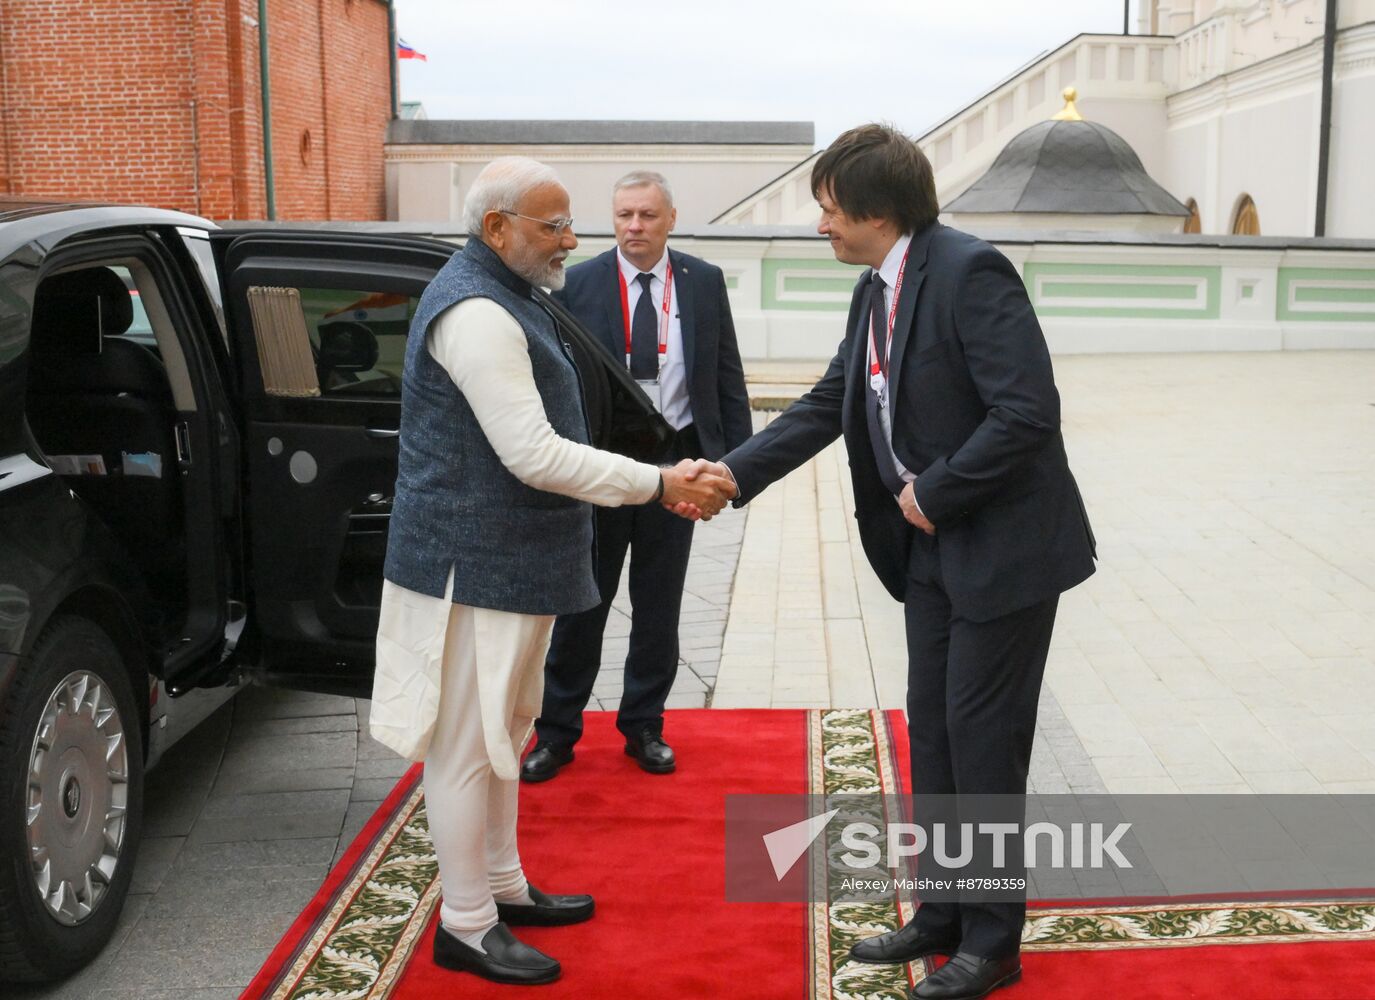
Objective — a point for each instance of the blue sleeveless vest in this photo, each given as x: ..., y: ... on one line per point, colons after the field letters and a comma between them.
x: 512, y: 547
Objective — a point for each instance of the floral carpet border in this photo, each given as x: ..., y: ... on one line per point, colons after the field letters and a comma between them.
x: 361, y: 944
x: 850, y: 753
x: 1178, y: 925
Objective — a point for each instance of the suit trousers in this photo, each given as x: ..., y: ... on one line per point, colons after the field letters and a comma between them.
x: 972, y: 692
x: 660, y: 544
x: 472, y: 812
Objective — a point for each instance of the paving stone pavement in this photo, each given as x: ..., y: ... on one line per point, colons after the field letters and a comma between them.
x: 706, y: 603
x: 1227, y: 643
x: 243, y: 820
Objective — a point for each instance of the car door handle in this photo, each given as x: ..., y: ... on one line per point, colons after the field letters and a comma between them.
x: 182, y: 438
x: 383, y: 432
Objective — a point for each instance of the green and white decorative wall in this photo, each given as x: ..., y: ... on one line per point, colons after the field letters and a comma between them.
x: 1320, y: 294
x: 789, y: 296
x: 1126, y: 297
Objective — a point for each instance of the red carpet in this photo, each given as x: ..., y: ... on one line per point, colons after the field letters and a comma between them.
x: 650, y: 849
x: 1317, y: 971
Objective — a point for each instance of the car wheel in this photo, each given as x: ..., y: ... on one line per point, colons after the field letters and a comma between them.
x: 71, y: 801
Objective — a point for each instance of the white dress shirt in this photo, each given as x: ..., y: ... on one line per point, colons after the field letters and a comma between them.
x: 888, y: 271
x: 673, y: 387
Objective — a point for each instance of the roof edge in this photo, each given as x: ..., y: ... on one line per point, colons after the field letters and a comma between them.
x: 559, y: 132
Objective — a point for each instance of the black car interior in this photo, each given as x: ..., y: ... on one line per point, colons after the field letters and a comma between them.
x: 101, y: 408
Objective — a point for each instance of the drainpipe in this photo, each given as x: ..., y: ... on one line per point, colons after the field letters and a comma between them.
x: 1329, y: 46
x: 196, y: 153
x: 267, y: 109
x: 7, y: 171
x: 1126, y: 17
x: 391, y: 60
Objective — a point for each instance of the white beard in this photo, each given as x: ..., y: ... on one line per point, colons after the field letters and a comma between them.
x: 534, y: 267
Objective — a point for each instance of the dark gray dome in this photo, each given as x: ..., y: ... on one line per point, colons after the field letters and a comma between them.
x: 1071, y: 167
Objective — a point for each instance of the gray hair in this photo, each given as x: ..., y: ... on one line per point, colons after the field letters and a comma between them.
x: 639, y: 178
x: 500, y: 187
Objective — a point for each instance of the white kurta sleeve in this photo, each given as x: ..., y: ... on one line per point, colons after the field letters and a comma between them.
x: 485, y: 352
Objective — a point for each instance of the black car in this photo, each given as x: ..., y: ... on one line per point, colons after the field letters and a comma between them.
x: 197, y: 457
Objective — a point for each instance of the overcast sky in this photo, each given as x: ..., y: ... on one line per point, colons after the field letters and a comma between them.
x: 912, y: 63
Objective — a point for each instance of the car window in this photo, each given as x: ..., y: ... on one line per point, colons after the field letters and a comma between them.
x: 198, y: 243
x: 356, y: 340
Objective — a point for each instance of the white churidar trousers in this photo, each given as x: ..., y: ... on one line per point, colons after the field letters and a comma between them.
x: 472, y: 811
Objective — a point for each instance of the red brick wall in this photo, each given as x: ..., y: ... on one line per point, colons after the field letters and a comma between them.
x: 97, y: 99
x: 297, y: 108
x: 357, y: 75
x: 158, y: 102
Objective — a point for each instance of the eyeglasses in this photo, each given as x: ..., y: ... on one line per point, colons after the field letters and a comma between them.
x: 556, y: 226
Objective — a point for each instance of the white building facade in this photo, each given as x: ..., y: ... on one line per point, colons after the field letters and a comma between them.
x: 430, y: 164
x: 1222, y: 102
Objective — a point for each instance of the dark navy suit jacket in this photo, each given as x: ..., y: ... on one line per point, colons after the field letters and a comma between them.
x: 976, y: 416
x: 716, y: 381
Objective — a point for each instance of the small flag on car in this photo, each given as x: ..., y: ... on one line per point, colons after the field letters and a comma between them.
x: 404, y: 51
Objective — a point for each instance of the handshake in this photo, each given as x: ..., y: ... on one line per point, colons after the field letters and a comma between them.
x: 697, y: 489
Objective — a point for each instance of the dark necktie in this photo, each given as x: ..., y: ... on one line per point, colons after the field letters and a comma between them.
x: 883, y: 452
x: 644, y: 335
x: 878, y: 322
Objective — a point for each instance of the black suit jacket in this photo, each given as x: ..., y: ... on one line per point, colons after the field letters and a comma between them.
x: 976, y: 416
x: 716, y: 381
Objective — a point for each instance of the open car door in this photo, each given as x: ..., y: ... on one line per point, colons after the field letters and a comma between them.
x: 318, y: 325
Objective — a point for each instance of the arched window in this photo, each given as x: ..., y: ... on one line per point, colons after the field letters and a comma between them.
x: 1246, y: 220
x: 1192, y: 224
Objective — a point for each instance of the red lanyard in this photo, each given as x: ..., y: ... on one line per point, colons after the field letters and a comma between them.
x: 877, y: 371
x: 663, y: 322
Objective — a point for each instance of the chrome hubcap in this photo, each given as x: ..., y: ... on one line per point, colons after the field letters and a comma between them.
x: 78, y: 792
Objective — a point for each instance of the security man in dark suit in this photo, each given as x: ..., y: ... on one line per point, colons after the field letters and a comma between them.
x: 666, y: 316
x: 967, y: 510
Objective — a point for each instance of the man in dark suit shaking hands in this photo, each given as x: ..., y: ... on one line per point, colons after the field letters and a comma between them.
x: 666, y: 316
x: 967, y: 510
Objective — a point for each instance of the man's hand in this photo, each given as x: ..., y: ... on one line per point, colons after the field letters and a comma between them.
x: 701, y: 466
x: 695, y: 492
x: 907, y: 500
x: 704, y: 468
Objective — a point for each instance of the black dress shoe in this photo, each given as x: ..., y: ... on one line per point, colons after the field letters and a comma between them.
x: 651, y: 752
x: 544, y: 761
x: 506, y: 960
x: 906, y: 944
x: 546, y: 910
x: 968, y: 977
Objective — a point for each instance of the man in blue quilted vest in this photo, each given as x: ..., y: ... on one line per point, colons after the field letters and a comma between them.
x: 491, y: 537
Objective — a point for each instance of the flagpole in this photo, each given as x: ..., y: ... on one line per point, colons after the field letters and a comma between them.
x: 391, y: 61
x: 267, y: 109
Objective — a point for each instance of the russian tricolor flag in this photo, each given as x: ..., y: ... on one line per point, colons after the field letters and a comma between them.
x: 404, y: 51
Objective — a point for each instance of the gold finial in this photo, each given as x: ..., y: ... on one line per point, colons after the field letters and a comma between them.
x: 1070, y: 112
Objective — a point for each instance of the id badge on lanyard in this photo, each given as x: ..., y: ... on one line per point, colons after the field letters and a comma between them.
x: 878, y: 372
x: 653, y: 388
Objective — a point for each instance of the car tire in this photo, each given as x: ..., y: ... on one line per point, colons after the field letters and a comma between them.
x: 71, y: 801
